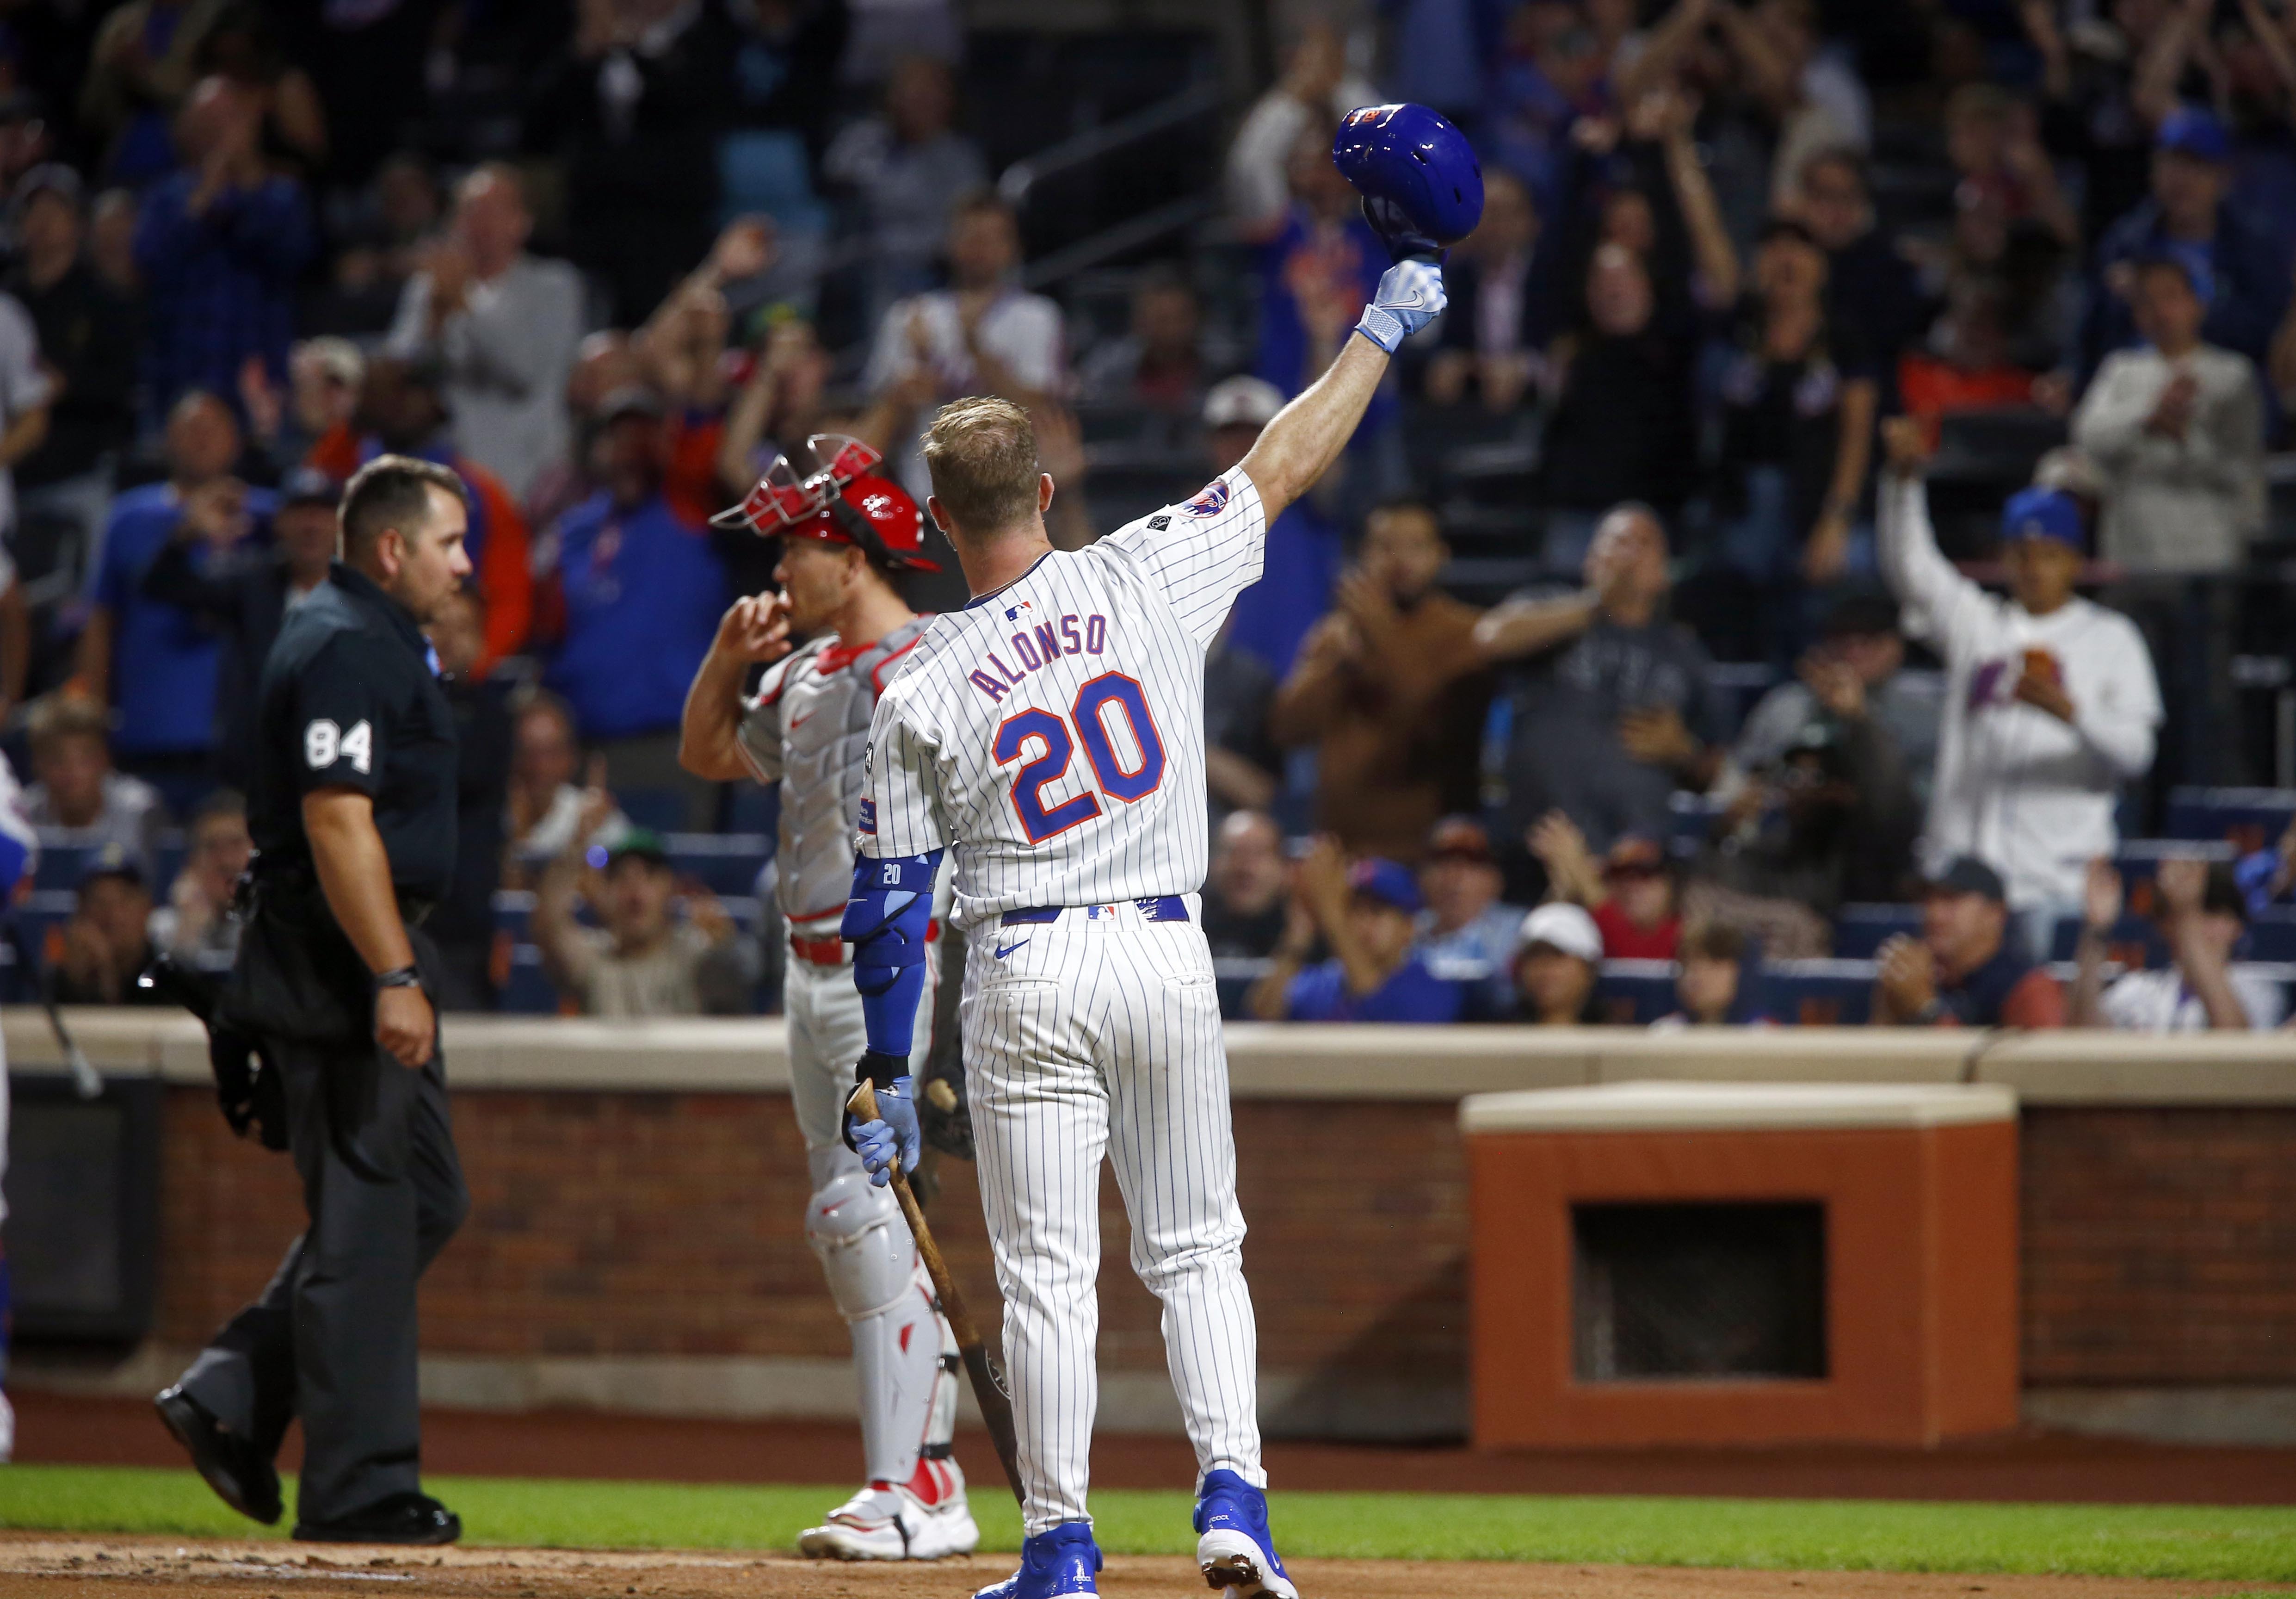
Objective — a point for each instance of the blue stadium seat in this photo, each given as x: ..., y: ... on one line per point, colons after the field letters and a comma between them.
x: 1635, y: 991
x: 1739, y: 684
x: 528, y: 992
x: 1817, y: 993
x: 2134, y: 940
x: 39, y: 918
x: 2272, y: 935
x: 1858, y: 930
x: 61, y: 866
x: 2248, y: 819
x: 512, y: 909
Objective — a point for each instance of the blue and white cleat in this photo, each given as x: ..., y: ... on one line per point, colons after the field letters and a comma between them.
x: 1234, y: 1550
x: 1059, y: 1560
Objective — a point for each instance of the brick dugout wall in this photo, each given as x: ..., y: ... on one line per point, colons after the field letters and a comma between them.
x: 2159, y: 1244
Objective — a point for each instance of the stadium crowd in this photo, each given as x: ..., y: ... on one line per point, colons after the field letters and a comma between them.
x: 1783, y: 587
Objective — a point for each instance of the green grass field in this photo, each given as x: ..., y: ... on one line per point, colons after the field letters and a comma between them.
x: 2194, y: 1542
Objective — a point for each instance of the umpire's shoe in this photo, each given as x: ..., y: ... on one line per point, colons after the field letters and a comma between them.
x: 1059, y: 1560
x: 401, y: 1518
x: 1234, y: 1550
x: 229, y: 1464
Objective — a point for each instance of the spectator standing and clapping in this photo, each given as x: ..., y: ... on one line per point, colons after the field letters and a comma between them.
x: 644, y: 589
x: 2051, y: 703
x: 1486, y: 332
x: 241, y: 594
x: 1367, y: 915
x: 155, y: 662
x: 2203, y: 917
x: 218, y: 245
x: 1614, y: 711
x: 1468, y: 932
x: 402, y: 409
x: 1387, y: 689
x: 2240, y: 272
x: 87, y: 336
x: 1797, y: 404
x: 502, y: 324
x: 909, y: 168
x: 1315, y: 91
x: 1963, y: 972
x: 198, y: 925
x: 140, y: 68
x: 1558, y: 957
x: 1630, y: 893
x: 1247, y: 896
x: 77, y: 801
x: 645, y: 959
x: 1869, y: 284
x: 1710, y: 985
x: 634, y: 108
x: 1271, y: 619
x: 983, y: 334
x: 2177, y: 425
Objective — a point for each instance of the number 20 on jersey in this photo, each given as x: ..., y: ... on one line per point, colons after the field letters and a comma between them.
x: 1109, y: 695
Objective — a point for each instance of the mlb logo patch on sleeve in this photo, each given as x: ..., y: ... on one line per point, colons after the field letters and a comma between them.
x: 1209, y: 502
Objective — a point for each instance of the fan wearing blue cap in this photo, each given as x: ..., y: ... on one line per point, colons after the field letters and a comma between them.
x: 1367, y: 914
x: 2051, y: 704
x: 2234, y: 261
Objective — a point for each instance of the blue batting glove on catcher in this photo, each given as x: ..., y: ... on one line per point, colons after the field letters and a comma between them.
x: 893, y: 1136
x: 1410, y: 296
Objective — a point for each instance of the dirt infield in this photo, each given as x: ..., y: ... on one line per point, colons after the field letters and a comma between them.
x: 37, y: 1567
x: 56, y: 1429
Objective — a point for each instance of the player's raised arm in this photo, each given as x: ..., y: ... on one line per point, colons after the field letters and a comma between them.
x: 1307, y: 436
x: 1422, y: 191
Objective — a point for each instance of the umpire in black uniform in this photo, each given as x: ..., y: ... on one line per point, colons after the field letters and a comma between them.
x: 353, y: 815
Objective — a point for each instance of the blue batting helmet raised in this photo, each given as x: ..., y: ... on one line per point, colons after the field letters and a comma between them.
x: 1422, y: 188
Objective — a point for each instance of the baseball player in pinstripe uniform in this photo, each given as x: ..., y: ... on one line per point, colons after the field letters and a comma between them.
x: 847, y: 533
x: 1049, y: 738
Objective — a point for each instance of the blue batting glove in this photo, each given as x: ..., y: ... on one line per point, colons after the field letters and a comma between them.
x: 893, y: 1136
x: 1410, y: 296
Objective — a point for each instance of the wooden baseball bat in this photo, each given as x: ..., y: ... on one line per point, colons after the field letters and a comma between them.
x: 987, y: 1381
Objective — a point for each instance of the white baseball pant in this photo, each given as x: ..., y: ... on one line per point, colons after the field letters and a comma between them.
x: 1099, y: 1032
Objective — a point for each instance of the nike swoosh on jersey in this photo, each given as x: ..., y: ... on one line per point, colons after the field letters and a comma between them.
x: 1003, y: 950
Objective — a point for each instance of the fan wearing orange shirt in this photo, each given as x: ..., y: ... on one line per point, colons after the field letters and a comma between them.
x: 402, y: 411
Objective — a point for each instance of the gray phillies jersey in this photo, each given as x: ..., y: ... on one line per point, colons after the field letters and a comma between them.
x: 807, y: 729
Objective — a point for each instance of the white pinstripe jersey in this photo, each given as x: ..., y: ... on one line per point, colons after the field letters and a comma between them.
x: 1050, y: 735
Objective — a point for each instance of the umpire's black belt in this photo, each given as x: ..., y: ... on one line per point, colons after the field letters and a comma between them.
x: 1169, y: 907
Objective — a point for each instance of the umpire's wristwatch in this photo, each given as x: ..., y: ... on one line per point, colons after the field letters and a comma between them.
x: 402, y: 977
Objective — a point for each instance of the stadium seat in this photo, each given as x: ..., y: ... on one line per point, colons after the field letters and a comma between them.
x: 2247, y: 818
x: 2134, y: 940
x: 1634, y: 992
x: 1858, y: 930
x: 2272, y: 934
x: 1817, y: 993
x: 528, y: 992
x: 61, y: 866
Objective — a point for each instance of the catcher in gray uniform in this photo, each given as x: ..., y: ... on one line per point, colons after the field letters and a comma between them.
x: 847, y: 534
